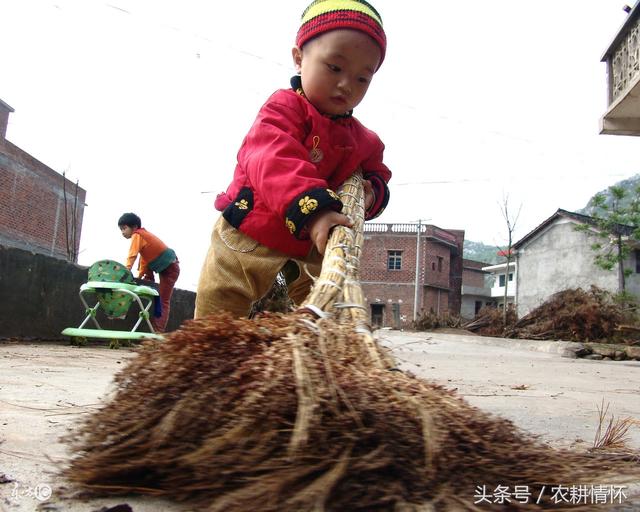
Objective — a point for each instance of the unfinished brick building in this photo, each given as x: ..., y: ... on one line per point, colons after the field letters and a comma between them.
x: 388, y: 271
x: 476, y: 292
x: 40, y: 210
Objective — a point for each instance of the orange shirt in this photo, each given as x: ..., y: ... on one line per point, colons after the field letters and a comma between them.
x: 149, y: 246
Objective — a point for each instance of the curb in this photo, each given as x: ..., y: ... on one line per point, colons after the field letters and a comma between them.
x: 568, y: 349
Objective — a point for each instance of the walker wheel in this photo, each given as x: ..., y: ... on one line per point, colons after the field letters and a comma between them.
x: 79, y: 341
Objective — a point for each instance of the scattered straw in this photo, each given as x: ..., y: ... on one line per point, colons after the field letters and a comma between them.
x: 615, y: 435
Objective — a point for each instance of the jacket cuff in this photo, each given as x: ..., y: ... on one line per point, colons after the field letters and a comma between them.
x: 381, y: 194
x: 305, y: 205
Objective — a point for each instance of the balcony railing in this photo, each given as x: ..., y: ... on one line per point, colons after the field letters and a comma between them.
x: 426, y: 230
x: 625, y: 62
x: 623, y: 75
x: 374, y: 227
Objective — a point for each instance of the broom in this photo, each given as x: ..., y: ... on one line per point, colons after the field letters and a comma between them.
x: 298, y: 413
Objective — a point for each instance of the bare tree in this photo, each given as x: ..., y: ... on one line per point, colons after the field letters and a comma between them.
x: 511, y: 221
x: 70, y: 233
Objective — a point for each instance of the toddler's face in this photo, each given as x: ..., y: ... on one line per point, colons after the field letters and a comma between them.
x: 336, y: 69
x: 126, y: 231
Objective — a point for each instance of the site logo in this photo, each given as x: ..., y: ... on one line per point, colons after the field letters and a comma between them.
x: 41, y: 492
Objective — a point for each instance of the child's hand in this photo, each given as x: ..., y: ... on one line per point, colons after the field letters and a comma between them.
x: 320, y: 225
x: 369, y: 196
x: 147, y: 276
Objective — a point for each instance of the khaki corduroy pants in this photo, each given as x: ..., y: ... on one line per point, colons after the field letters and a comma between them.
x: 238, y: 271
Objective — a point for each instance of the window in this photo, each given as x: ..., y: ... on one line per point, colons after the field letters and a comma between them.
x: 439, y: 263
x: 394, y: 260
x: 637, y: 254
x: 501, y: 278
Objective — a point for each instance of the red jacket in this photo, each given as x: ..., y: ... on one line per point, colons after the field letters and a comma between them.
x: 289, y: 165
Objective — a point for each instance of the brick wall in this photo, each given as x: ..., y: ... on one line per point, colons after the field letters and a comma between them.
x: 375, y: 254
x: 436, y: 266
x: 391, y: 292
x: 455, y: 282
x: 386, y: 295
x: 32, y: 206
x: 472, y: 274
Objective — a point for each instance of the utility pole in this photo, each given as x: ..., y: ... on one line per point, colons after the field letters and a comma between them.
x: 417, y: 285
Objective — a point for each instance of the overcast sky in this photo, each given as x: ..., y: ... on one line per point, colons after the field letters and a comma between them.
x: 146, y: 102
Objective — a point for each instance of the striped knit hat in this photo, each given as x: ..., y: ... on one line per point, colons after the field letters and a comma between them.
x: 324, y: 15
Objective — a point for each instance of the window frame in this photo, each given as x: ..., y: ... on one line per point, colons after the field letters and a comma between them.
x: 394, y: 256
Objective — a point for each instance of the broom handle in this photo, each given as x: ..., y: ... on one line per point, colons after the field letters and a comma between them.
x: 337, y: 290
x: 328, y: 288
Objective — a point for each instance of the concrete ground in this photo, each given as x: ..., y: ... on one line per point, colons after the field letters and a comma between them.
x: 44, y: 387
x: 525, y: 381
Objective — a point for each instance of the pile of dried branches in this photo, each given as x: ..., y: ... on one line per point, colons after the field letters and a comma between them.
x: 286, y: 413
x: 430, y: 320
x: 490, y: 321
x: 572, y: 315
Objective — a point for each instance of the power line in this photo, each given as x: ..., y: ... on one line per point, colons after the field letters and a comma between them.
x: 512, y: 179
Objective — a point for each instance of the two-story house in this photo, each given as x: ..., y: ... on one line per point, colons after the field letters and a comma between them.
x: 502, y: 281
x: 408, y: 269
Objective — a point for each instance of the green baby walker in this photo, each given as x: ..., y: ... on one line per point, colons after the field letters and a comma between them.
x: 115, y: 292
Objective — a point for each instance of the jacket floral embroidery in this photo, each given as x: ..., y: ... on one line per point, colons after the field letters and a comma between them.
x: 289, y: 165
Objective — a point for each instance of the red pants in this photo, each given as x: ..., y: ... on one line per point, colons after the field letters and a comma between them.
x: 168, y: 278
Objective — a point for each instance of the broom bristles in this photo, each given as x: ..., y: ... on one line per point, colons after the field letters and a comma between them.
x: 283, y: 413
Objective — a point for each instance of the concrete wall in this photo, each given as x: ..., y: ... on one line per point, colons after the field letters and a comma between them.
x: 4, y: 121
x: 39, y: 297
x: 558, y: 259
x: 632, y: 283
x: 468, y: 309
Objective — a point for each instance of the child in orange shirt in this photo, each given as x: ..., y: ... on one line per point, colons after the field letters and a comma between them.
x: 155, y: 256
